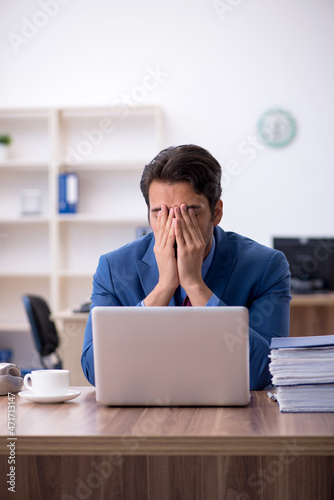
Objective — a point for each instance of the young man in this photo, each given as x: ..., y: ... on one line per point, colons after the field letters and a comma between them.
x: 189, y: 260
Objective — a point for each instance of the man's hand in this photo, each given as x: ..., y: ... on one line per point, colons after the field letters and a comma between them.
x: 164, y: 249
x: 165, y: 256
x: 190, y: 254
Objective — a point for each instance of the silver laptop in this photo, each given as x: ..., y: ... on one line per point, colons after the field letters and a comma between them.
x: 171, y: 356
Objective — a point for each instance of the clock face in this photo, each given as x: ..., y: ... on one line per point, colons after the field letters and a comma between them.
x: 276, y: 128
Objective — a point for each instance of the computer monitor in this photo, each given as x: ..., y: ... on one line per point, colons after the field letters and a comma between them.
x: 311, y: 263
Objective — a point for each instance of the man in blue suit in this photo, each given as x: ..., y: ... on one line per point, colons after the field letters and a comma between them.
x: 189, y: 260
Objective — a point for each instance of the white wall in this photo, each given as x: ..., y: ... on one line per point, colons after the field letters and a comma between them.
x: 218, y: 74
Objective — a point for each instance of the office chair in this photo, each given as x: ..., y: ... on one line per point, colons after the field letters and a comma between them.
x: 43, y: 330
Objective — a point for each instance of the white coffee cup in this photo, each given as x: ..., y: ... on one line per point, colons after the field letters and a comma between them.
x: 48, y: 382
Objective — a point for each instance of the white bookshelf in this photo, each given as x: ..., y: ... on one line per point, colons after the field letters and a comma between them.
x: 52, y: 254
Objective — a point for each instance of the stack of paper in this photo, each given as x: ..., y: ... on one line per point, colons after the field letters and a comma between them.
x: 302, y: 368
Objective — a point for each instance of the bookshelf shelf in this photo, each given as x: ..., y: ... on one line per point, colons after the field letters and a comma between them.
x: 122, y: 111
x: 80, y: 273
x: 22, y: 165
x: 25, y: 219
x: 105, y: 165
x: 55, y: 255
x: 14, y: 273
x: 101, y: 219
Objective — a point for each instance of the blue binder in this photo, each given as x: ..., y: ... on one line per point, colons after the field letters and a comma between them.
x: 68, y: 193
x: 293, y: 342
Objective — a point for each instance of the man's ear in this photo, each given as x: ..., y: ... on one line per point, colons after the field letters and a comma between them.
x: 218, y: 213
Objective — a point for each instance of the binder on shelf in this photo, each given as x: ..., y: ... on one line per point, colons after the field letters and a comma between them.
x: 68, y: 193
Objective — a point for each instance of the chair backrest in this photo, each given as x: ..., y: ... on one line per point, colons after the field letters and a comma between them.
x: 43, y: 329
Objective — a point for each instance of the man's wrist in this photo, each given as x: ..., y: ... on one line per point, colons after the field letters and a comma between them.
x: 198, y: 293
x: 160, y: 296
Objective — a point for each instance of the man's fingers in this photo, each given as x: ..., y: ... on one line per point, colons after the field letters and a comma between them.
x: 180, y: 228
x: 189, y: 231
x: 165, y: 226
x: 180, y: 240
x: 158, y: 236
x: 171, y: 233
x: 164, y: 214
x: 169, y: 230
x: 192, y: 218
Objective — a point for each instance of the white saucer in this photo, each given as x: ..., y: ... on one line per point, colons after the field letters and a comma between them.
x: 49, y: 399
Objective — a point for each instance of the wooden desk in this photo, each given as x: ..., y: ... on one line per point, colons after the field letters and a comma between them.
x: 312, y: 315
x: 82, y: 450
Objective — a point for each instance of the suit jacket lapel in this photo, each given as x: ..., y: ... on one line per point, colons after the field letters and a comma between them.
x: 222, y: 264
x: 147, y: 269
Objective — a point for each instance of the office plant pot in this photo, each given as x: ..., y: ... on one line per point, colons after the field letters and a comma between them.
x: 5, y: 141
x: 3, y: 152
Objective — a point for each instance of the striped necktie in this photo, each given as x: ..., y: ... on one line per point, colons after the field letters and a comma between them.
x: 187, y: 302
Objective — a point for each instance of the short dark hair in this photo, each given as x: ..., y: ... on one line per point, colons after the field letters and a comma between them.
x: 185, y: 163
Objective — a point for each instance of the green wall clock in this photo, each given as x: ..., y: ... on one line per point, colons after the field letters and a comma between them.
x: 276, y: 128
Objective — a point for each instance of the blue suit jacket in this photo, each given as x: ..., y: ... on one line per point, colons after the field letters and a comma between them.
x: 242, y: 273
